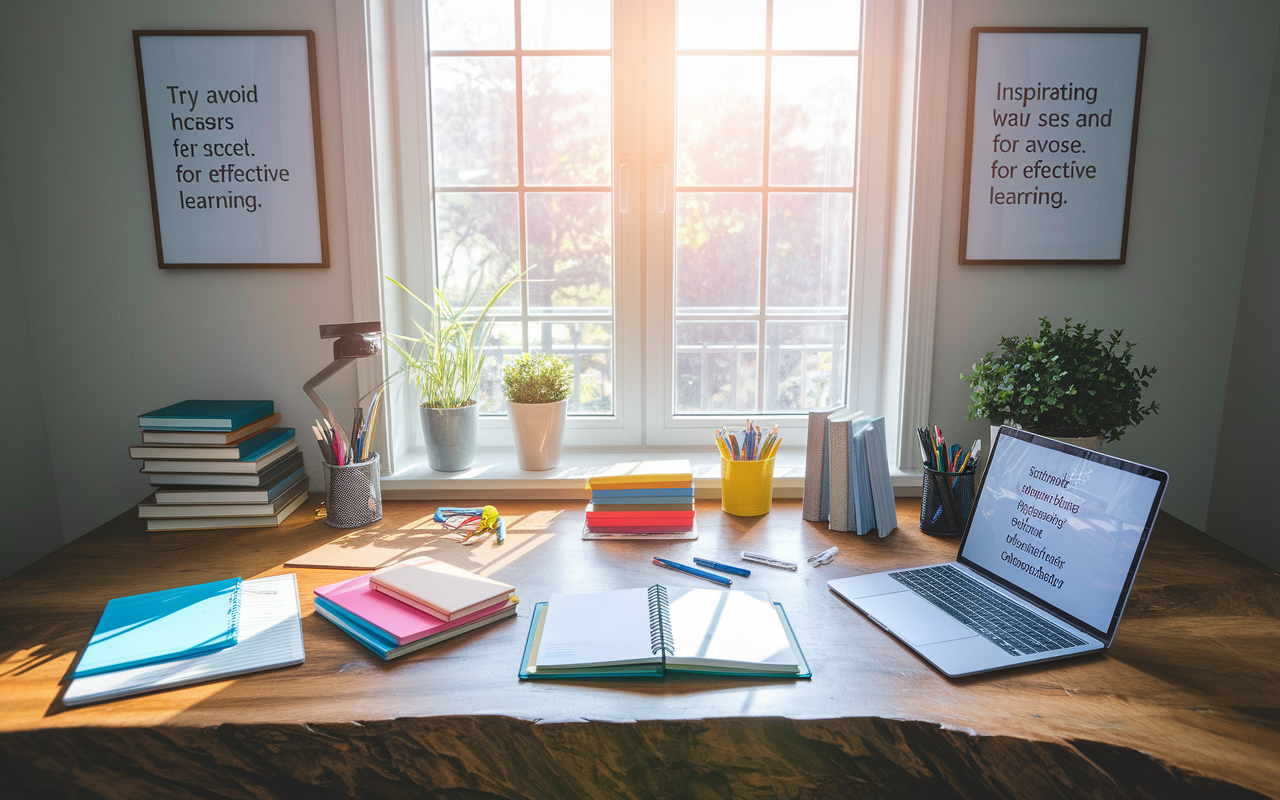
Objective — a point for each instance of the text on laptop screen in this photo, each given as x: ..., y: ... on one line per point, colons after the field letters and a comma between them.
x: 1062, y: 527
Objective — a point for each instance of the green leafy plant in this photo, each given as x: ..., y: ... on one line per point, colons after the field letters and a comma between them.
x: 445, y: 359
x: 1063, y: 382
x: 537, y: 378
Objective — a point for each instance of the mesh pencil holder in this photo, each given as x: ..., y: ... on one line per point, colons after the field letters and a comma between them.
x: 945, y: 507
x: 354, y: 495
x: 746, y: 487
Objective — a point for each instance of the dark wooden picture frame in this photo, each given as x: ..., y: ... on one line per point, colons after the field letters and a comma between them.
x: 1062, y: 134
x: 300, y: 212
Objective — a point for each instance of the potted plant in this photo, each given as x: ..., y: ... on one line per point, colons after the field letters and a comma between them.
x: 444, y: 361
x: 1067, y: 383
x: 537, y: 388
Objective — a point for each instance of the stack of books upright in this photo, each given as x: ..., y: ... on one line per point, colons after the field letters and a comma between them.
x: 644, y: 498
x: 219, y: 464
x: 849, y: 485
x: 414, y: 604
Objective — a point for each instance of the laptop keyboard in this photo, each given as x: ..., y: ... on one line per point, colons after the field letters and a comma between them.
x: 1003, y: 623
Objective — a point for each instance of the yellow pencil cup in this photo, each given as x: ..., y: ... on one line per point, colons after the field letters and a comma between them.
x: 746, y: 487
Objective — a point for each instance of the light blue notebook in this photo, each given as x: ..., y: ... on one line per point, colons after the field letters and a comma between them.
x: 162, y: 626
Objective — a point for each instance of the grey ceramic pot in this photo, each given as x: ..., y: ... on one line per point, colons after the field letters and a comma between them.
x: 452, y: 436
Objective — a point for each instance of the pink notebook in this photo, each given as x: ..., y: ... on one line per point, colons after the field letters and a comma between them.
x: 402, y: 622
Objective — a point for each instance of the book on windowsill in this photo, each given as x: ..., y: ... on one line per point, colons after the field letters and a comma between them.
x: 216, y: 522
x: 647, y: 632
x: 210, y: 437
x: 207, y: 415
x: 264, y: 477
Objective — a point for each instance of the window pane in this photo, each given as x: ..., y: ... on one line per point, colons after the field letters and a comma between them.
x: 717, y: 264
x: 473, y: 120
x: 804, y: 365
x: 721, y: 24
x: 566, y: 120
x: 813, y: 120
x: 716, y: 366
x: 816, y: 24
x: 720, y: 120
x: 565, y: 24
x: 471, y: 24
x: 569, y: 251
x: 810, y: 238
x: 477, y: 245
x: 503, y: 345
x: 589, y: 348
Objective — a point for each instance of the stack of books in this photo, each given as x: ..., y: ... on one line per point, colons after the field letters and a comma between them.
x: 414, y: 604
x: 219, y: 464
x: 848, y: 486
x: 645, y: 498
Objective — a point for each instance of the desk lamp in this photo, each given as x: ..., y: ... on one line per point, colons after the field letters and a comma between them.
x: 352, y: 340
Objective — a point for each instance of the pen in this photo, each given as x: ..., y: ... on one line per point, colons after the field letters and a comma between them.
x: 697, y: 573
x: 768, y: 561
x: 709, y: 564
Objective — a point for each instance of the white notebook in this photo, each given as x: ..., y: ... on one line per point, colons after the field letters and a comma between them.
x: 270, y: 637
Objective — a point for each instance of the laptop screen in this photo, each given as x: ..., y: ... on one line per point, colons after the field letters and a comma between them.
x: 1063, y: 524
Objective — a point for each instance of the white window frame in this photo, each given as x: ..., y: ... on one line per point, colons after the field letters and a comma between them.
x: 385, y: 111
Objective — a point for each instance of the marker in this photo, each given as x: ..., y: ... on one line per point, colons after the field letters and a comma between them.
x: 708, y: 563
x: 697, y: 573
x: 818, y: 559
x: 768, y: 561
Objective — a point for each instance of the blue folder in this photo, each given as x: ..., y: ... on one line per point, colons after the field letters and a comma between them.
x: 163, y: 626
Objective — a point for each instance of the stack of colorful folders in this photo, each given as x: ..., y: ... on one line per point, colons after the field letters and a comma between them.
x: 642, y: 498
x: 414, y: 604
x: 219, y: 464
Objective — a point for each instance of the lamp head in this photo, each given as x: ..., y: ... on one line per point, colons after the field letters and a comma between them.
x: 354, y: 339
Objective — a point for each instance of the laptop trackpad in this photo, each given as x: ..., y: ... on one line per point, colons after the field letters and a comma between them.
x: 912, y: 618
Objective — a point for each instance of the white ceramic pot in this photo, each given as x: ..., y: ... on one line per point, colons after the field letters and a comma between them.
x: 539, y: 433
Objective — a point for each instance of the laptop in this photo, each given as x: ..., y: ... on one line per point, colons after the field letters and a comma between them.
x: 1047, y: 558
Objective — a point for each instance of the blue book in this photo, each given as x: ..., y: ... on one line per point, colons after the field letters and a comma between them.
x: 207, y: 415
x: 602, y: 503
x: 682, y: 492
x: 163, y: 626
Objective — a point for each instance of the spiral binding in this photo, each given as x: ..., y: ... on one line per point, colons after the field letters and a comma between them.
x: 234, y: 612
x: 659, y: 621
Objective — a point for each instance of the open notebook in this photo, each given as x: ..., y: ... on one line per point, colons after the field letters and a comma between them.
x: 270, y: 636
x: 646, y: 632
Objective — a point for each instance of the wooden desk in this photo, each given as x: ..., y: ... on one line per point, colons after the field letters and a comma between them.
x: 1184, y: 705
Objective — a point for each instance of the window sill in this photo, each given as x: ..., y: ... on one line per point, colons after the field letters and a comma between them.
x: 496, y: 476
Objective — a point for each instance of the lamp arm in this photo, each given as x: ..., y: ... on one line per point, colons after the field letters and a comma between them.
x: 320, y: 377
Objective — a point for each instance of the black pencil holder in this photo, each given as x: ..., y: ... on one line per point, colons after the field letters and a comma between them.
x: 354, y: 495
x: 945, y: 502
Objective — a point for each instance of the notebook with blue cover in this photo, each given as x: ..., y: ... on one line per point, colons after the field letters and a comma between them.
x: 161, y: 626
x: 207, y: 415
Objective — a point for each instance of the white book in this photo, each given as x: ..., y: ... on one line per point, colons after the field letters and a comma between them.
x: 270, y: 637
x: 188, y: 511
x: 212, y: 523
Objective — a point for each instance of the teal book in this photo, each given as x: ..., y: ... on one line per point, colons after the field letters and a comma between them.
x: 207, y: 415
x: 163, y: 626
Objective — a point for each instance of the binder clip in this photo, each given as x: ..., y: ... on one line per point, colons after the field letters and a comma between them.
x: 818, y: 559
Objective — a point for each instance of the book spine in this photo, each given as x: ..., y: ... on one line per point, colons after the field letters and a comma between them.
x: 660, y: 640
x: 824, y: 482
x: 841, y: 502
x: 814, y: 462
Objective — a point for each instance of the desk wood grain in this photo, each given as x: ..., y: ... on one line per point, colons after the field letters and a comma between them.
x: 1186, y: 703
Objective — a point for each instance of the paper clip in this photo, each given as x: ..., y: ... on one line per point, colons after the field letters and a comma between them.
x: 818, y: 559
x: 767, y: 561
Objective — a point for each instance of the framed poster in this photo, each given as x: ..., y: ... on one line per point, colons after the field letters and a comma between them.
x: 231, y: 121
x: 1049, y: 152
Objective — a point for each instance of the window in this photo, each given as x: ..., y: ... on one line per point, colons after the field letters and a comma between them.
x: 713, y: 201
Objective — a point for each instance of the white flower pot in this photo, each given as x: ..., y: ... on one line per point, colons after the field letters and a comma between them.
x: 539, y: 433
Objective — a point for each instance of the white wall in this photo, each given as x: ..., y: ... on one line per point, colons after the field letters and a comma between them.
x: 29, y: 524
x: 117, y: 336
x: 1251, y: 415
x: 1204, y: 99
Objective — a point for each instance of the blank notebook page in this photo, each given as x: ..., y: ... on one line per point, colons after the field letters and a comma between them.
x: 728, y: 628
x: 597, y: 629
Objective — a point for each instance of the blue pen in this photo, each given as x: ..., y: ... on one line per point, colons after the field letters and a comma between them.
x: 697, y: 573
x: 706, y: 562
